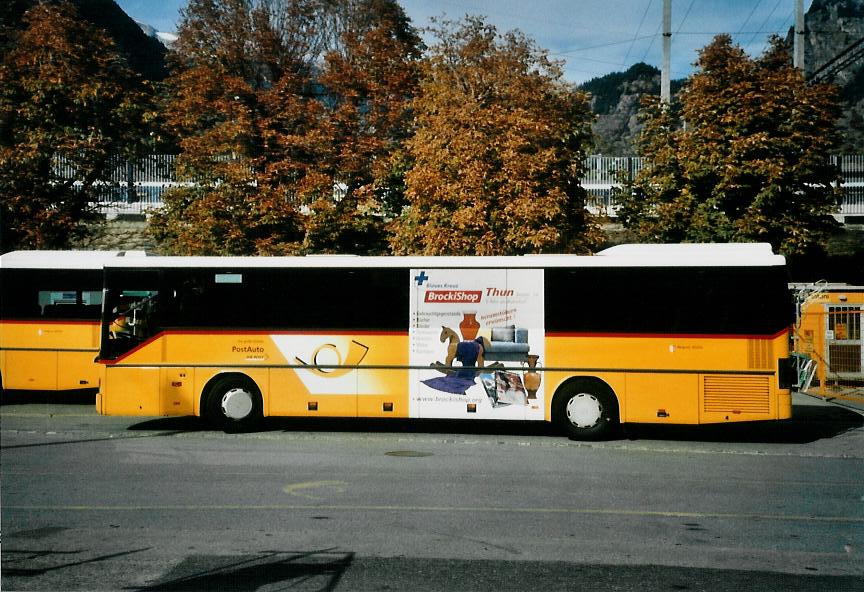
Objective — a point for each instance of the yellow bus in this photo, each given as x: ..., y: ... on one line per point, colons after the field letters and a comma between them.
x: 50, y: 307
x: 673, y: 334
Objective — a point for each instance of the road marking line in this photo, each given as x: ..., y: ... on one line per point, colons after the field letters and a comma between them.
x: 441, y: 509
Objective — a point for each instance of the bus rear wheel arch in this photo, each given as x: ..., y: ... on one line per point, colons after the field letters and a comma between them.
x: 232, y: 402
x: 586, y: 409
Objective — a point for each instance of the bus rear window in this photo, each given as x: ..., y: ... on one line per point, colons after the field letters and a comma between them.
x: 51, y: 294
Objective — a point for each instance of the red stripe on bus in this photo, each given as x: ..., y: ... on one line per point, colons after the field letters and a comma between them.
x: 276, y: 332
x: 670, y: 335
x: 49, y: 322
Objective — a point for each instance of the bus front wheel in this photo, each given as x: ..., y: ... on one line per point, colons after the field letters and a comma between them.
x: 586, y: 410
x: 233, y: 402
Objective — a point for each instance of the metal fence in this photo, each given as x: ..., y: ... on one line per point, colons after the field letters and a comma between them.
x: 137, y: 186
x: 852, y: 171
x: 130, y: 186
x: 604, y: 173
x: 601, y: 174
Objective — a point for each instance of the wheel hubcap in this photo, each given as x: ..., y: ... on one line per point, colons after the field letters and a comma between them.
x: 237, y: 403
x: 584, y: 410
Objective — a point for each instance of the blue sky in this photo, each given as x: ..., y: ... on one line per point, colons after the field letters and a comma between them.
x: 593, y: 37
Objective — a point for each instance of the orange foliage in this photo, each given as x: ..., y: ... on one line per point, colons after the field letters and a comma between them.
x: 497, y: 151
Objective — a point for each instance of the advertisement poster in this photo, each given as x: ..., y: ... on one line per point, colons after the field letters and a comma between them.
x: 477, y: 338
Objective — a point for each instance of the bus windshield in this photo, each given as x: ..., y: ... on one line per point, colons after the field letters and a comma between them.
x: 132, y: 314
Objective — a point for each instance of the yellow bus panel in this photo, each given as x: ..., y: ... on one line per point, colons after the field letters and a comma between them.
x: 131, y: 391
x: 49, y: 355
x: 177, y: 391
x: 661, y: 398
x: 663, y: 373
x: 77, y: 370
x: 288, y: 395
x: 30, y: 370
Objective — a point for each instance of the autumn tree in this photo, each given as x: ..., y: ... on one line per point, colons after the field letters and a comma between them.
x: 745, y: 157
x: 68, y: 104
x: 280, y: 128
x: 369, y: 79
x: 497, y: 153
x: 232, y: 61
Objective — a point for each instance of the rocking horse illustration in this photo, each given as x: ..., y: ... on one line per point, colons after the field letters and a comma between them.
x: 469, y: 353
x: 452, y: 338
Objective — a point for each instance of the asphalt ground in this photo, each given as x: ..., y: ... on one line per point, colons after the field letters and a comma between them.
x: 131, y: 503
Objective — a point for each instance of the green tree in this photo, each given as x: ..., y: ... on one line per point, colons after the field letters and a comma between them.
x: 744, y: 157
x: 68, y: 104
x: 498, y: 150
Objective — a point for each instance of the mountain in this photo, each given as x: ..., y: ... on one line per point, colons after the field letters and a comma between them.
x: 831, y: 26
x: 164, y: 38
x: 615, y: 99
x: 145, y: 55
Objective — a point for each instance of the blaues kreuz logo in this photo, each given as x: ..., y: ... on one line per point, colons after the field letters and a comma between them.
x: 421, y: 278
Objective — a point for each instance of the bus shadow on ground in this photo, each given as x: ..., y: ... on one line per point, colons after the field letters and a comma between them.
x: 76, y: 397
x: 363, y: 425
x: 808, y: 424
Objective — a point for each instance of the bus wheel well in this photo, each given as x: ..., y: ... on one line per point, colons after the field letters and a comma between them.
x: 586, y: 408
x: 231, y: 400
x: 221, y: 376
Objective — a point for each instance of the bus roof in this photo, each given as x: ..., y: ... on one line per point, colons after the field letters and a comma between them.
x: 62, y: 259
x: 747, y: 249
x: 696, y: 255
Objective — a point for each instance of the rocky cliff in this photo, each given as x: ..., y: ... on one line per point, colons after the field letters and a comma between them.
x: 831, y: 26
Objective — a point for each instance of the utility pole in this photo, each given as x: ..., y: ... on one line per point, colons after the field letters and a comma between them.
x: 665, y: 85
x: 798, y: 41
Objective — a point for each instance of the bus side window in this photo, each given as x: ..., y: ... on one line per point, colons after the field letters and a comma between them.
x: 133, y: 315
x: 53, y: 297
x: 59, y: 304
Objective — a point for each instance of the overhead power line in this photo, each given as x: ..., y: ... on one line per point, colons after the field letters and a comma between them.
x: 765, y: 24
x: 686, y: 14
x: 601, y: 45
x: 638, y: 30
x: 749, y: 16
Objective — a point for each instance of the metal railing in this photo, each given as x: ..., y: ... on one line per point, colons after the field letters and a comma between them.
x: 129, y: 186
x: 603, y: 174
x: 137, y: 186
x: 852, y: 171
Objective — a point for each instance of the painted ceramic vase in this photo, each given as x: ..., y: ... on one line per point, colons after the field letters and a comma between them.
x: 531, y: 378
x: 469, y: 326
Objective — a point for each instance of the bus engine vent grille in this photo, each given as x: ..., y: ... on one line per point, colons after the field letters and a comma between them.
x: 737, y: 394
x: 760, y: 354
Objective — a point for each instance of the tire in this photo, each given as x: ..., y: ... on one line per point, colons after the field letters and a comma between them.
x: 586, y: 410
x: 233, y: 403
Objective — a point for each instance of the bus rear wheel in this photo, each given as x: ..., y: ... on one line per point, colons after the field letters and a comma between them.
x: 233, y: 403
x: 586, y: 410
